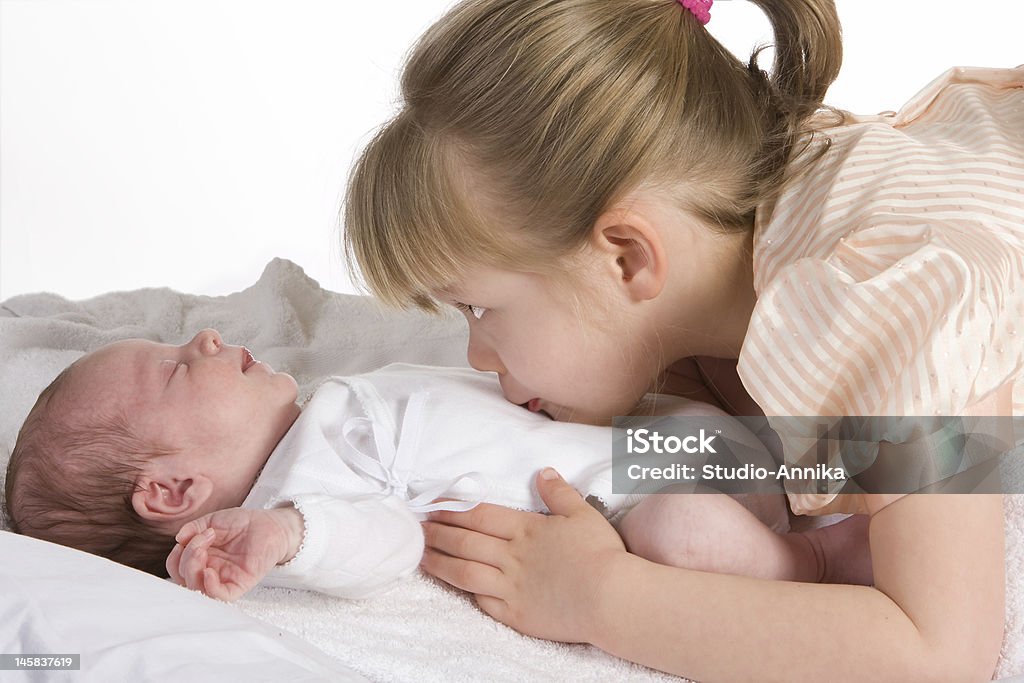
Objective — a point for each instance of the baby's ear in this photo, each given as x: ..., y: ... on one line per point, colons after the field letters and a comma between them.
x: 171, y: 500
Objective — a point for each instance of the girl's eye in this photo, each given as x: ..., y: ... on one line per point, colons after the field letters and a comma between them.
x: 476, y: 311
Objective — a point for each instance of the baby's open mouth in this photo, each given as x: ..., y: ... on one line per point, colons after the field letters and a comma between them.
x: 247, y: 360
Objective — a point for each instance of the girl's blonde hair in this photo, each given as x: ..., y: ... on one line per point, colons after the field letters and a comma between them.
x: 524, y: 120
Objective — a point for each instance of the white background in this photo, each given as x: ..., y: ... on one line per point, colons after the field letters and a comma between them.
x: 184, y: 143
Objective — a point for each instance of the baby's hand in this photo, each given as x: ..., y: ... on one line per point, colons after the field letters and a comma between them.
x: 226, y: 553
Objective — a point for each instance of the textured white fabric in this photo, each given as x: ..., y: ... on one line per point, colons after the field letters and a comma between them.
x: 130, y: 626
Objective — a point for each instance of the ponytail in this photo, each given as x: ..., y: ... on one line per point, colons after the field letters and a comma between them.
x: 808, y: 55
x: 808, y: 50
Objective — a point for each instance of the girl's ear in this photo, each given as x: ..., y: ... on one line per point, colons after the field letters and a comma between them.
x: 163, y: 498
x: 633, y: 251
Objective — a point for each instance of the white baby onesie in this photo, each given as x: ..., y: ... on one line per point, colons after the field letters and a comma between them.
x: 369, y: 454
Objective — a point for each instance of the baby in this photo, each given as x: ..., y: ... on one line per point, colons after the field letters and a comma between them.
x: 196, y: 459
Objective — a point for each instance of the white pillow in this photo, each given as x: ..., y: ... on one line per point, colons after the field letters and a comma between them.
x: 128, y: 625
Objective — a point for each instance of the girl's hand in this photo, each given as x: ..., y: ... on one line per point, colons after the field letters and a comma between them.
x: 540, y: 574
x: 226, y: 553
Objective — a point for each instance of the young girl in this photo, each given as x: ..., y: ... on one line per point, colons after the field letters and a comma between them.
x: 617, y: 203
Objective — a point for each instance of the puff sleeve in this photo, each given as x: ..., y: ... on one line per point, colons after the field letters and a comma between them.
x: 896, y: 320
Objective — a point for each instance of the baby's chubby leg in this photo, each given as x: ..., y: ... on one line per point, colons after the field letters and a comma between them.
x: 740, y: 534
x: 714, y: 532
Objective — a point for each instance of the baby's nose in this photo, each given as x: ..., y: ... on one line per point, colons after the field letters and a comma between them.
x: 208, y: 342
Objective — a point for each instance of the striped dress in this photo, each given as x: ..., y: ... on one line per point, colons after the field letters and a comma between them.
x: 890, y: 278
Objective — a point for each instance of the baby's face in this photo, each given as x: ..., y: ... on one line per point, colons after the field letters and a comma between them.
x: 223, y: 410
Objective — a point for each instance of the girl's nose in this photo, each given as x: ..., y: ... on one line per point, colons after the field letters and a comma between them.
x: 482, y: 356
x: 207, y: 342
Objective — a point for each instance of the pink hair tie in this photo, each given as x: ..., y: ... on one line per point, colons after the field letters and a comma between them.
x: 699, y: 8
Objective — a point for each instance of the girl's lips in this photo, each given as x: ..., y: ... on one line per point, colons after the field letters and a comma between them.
x: 247, y: 360
x: 533, y: 405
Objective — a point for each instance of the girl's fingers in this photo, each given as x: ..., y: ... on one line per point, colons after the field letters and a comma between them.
x: 481, y: 579
x: 493, y: 520
x: 496, y: 607
x: 560, y: 498
x: 465, y: 544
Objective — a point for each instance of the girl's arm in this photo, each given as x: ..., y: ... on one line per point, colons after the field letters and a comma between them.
x: 935, y: 614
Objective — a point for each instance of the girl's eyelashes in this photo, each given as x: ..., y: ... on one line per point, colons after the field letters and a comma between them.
x: 476, y: 311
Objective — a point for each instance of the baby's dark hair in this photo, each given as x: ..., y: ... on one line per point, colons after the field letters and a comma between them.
x: 70, y: 481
